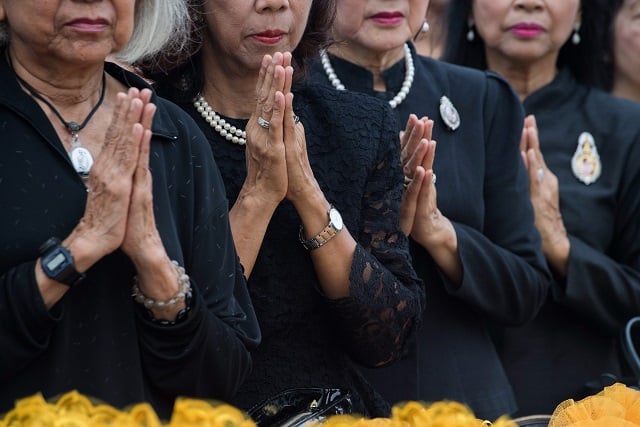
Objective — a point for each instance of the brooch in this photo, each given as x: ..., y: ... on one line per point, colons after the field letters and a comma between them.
x: 449, y: 114
x: 585, y: 162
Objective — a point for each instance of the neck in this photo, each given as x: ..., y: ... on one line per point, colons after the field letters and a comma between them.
x: 228, y: 91
x: 625, y: 88
x: 73, y: 91
x: 525, y: 78
x: 374, y: 62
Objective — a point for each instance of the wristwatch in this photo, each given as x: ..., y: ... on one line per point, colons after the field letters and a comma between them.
x: 334, y: 227
x: 57, y: 263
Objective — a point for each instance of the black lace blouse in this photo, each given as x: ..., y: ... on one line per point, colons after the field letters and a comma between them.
x: 309, y: 340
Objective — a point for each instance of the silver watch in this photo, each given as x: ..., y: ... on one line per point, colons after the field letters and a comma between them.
x: 334, y: 227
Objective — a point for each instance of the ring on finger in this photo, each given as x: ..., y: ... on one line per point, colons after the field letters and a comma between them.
x: 264, y: 122
x: 296, y: 119
x: 433, y: 178
x: 406, y: 182
x: 540, y: 174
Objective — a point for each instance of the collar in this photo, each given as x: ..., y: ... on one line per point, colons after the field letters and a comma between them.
x: 561, y: 90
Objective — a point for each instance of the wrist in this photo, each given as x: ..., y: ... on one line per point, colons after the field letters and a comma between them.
x: 170, y: 304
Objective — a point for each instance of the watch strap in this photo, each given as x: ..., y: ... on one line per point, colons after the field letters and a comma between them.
x: 69, y: 275
x: 327, y: 233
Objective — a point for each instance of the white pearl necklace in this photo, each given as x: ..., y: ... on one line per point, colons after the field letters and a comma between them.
x: 220, y: 125
x: 406, y: 85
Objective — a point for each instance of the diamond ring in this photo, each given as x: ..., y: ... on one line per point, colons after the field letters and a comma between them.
x: 264, y: 123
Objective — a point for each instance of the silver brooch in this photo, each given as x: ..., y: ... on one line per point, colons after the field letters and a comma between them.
x: 585, y: 163
x: 449, y: 114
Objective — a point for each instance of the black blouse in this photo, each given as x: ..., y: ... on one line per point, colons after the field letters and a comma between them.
x: 483, y: 189
x: 309, y: 340
x: 575, y: 338
x: 96, y: 339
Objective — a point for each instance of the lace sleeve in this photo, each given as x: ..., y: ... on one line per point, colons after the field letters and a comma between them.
x: 384, y: 308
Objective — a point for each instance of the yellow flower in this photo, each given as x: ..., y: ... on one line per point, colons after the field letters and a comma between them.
x: 75, y: 403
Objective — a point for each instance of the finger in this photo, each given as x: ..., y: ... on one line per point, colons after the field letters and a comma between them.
x: 412, y: 138
x: 263, y: 90
x: 148, y: 113
x: 277, y: 85
x: 264, y: 65
x: 404, y: 136
x: 288, y: 79
x: 115, y: 128
x: 430, y: 156
x: 523, y: 155
x: 409, y: 206
x: 535, y: 177
x: 415, y: 159
x: 276, y: 131
x: 289, y: 124
x: 145, y: 145
x: 286, y: 59
x: 145, y: 96
x: 427, y: 196
x: 427, y: 132
x: 127, y: 146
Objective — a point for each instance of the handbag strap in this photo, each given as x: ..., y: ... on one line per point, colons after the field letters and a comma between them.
x: 631, y: 333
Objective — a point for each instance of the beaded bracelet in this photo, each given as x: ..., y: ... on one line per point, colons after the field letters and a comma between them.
x: 184, y: 288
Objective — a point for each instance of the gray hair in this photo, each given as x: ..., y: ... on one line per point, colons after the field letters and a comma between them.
x: 159, y: 25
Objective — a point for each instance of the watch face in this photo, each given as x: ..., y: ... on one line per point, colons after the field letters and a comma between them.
x: 336, y: 219
x: 55, y: 262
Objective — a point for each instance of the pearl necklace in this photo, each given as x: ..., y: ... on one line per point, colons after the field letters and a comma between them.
x: 220, y: 125
x: 406, y: 85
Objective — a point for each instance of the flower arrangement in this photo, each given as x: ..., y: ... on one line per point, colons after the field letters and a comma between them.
x: 76, y: 410
x: 616, y: 405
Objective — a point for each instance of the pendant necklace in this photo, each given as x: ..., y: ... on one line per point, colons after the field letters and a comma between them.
x: 406, y: 85
x: 220, y: 125
x: 81, y: 157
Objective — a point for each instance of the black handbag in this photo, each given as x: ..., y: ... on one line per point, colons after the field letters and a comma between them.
x: 301, y: 406
x: 630, y: 347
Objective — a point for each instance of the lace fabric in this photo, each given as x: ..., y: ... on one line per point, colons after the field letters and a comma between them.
x: 309, y: 340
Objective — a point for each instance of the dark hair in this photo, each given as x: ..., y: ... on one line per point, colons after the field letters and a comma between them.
x: 588, y: 61
x: 180, y: 78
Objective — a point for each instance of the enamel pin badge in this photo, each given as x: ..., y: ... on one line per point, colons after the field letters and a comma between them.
x: 449, y: 114
x: 585, y: 163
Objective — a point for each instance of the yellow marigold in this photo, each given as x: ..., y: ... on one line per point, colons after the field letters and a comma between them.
x: 104, y: 415
x: 74, y: 403
x: 357, y: 421
x: 194, y: 412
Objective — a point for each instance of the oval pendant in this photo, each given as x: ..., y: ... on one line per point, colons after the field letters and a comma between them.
x: 82, y: 160
x: 585, y: 163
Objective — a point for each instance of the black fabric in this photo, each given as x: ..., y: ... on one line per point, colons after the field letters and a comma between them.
x: 483, y: 190
x: 96, y: 339
x: 575, y: 339
x: 308, y: 340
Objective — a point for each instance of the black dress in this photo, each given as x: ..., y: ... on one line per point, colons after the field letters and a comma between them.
x: 575, y: 339
x: 483, y: 190
x: 309, y: 340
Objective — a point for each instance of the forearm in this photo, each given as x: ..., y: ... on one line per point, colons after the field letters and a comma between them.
x: 249, y: 219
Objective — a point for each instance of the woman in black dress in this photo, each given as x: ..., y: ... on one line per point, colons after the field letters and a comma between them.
x: 584, y: 180
x: 328, y: 291
x: 474, y: 244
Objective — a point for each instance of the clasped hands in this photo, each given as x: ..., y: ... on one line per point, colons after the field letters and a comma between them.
x: 276, y: 154
x: 544, y: 193
x: 420, y: 217
x: 119, y: 208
